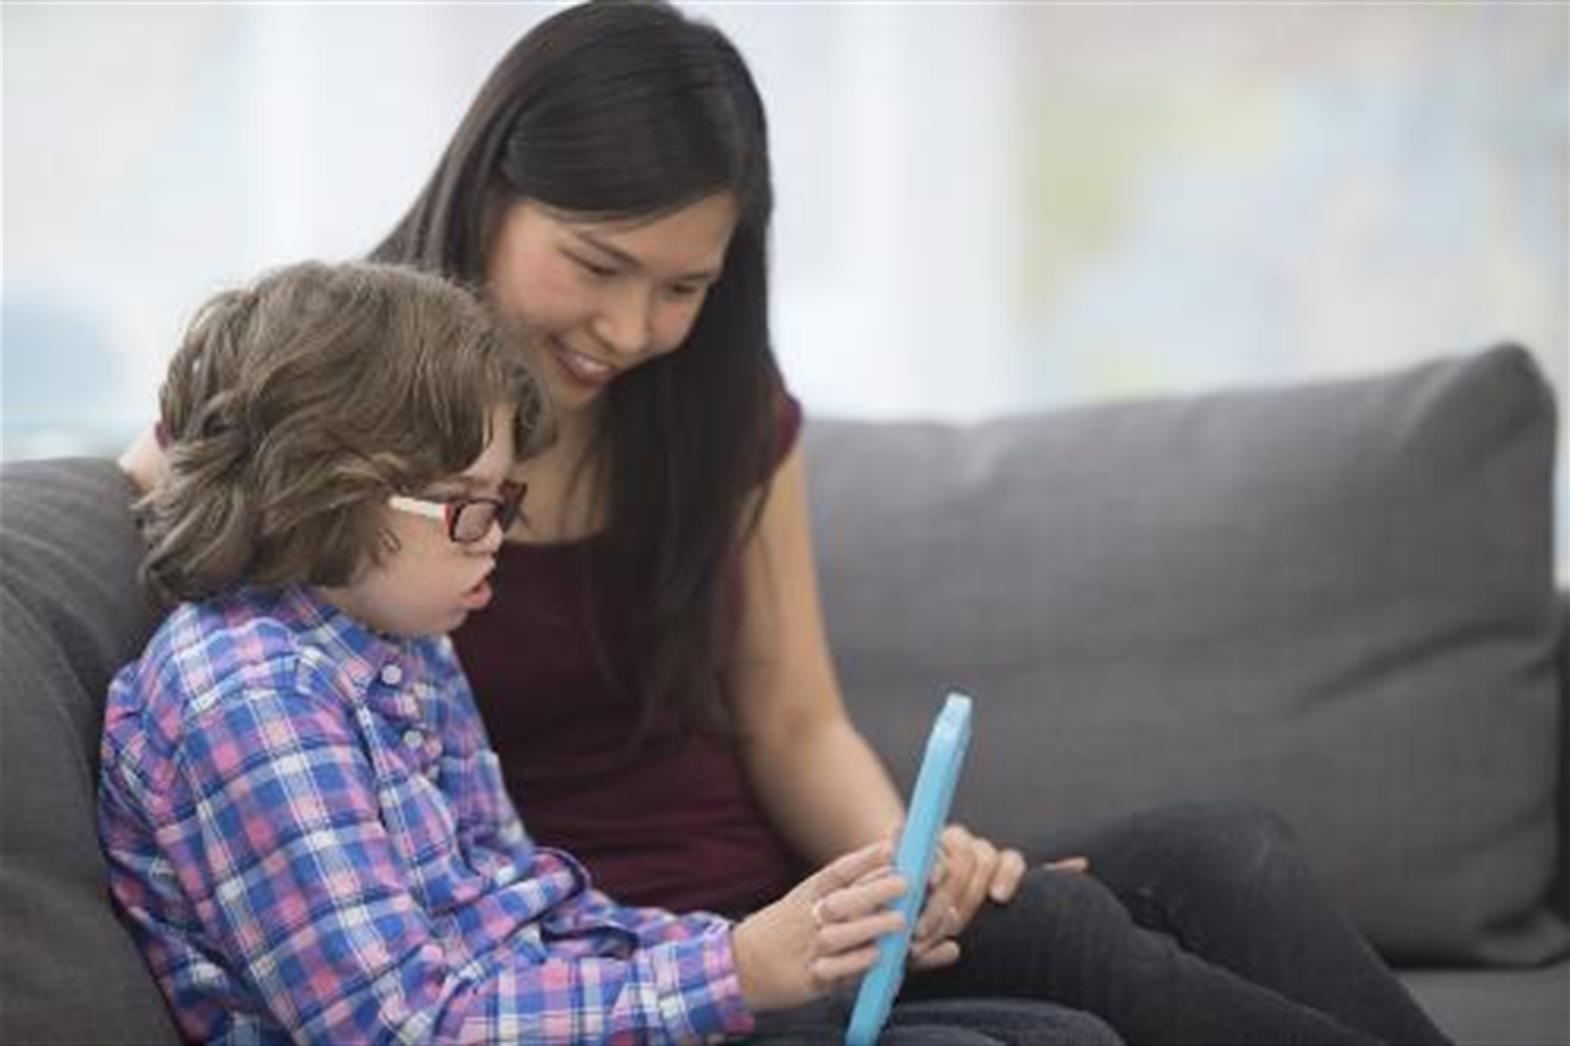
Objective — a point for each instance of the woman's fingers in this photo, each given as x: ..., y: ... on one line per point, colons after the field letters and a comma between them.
x: 852, y: 894
x: 939, y: 911
x: 1070, y: 864
x: 959, y: 857
x: 937, y: 916
x: 1005, y: 881
x: 943, y: 953
x: 985, y: 867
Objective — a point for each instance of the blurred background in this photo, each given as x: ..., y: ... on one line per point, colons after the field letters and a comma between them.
x: 982, y: 208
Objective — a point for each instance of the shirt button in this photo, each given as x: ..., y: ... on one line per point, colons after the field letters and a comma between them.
x: 392, y: 675
x: 413, y: 739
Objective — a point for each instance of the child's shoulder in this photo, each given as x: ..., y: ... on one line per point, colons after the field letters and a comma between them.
x: 229, y: 643
x: 206, y: 657
x: 242, y: 624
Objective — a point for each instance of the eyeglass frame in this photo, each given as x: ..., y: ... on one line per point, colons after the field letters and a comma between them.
x: 506, y: 510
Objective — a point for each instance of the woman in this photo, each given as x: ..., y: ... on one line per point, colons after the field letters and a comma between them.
x: 610, y: 188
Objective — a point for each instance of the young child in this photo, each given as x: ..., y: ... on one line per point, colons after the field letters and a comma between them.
x: 305, y: 825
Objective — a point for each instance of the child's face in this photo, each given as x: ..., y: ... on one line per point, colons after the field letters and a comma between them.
x: 430, y: 582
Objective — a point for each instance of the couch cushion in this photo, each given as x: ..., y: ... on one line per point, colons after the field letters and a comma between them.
x: 1559, y: 893
x: 1497, y: 1007
x: 1334, y: 599
x: 70, y: 614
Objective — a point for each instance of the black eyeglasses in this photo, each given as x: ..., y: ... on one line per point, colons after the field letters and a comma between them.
x: 468, y: 519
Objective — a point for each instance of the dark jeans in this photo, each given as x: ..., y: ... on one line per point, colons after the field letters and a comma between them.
x: 942, y: 1022
x: 1197, y: 924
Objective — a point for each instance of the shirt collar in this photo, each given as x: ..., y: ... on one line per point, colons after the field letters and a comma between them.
x: 357, y: 649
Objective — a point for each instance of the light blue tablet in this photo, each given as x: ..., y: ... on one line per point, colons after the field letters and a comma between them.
x: 929, y: 811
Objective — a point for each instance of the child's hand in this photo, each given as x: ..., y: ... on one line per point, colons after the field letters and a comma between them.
x: 823, y: 932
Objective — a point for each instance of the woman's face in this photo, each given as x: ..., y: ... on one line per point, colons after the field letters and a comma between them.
x: 605, y: 295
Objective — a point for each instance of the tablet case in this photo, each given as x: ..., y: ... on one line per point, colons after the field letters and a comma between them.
x: 929, y: 810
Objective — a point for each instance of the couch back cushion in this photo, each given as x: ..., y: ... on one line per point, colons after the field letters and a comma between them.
x: 1333, y: 599
x: 70, y: 615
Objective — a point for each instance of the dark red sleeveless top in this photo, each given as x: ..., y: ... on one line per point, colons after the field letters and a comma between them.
x: 670, y: 821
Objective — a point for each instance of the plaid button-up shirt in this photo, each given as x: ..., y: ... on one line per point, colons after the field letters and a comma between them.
x: 308, y: 834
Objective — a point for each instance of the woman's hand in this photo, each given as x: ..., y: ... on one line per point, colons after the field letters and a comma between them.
x: 822, y: 933
x: 967, y: 871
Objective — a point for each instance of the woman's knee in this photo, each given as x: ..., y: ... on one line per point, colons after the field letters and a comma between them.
x: 1062, y: 899
x: 1026, y: 947
x: 1221, y: 843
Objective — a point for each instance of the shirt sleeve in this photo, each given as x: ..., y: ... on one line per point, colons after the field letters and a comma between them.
x: 304, y: 891
x: 652, y: 926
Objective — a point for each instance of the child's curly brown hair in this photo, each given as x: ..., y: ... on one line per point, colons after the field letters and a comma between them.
x: 295, y: 407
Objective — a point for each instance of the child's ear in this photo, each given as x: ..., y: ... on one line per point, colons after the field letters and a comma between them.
x: 388, y: 541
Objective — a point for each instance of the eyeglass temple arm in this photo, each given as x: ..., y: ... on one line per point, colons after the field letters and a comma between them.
x: 429, y: 509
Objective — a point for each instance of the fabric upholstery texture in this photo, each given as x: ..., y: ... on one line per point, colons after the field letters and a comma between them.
x: 1334, y: 599
x: 1497, y: 1007
x: 69, y: 616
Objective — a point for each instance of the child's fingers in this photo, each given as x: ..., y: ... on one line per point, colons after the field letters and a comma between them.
x: 830, y: 969
x: 860, y: 898
x: 847, y: 869
x: 881, y: 871
x: 835, y: 937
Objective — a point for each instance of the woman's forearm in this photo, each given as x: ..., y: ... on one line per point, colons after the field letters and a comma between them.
x: 821, y: 784
x: 825, y: 789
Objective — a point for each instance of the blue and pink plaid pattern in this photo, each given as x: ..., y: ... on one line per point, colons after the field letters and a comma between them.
x: 308, y: 834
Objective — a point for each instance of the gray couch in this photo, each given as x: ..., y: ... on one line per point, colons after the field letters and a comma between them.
x: 1336, y: 600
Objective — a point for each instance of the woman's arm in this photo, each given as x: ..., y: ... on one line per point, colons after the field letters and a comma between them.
x: 819, y: 780
x: 143, y: 461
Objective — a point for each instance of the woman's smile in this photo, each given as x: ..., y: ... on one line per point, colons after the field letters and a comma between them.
x: 583, y: 369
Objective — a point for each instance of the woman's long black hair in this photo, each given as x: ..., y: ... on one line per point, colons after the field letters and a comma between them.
x: 616, y: 109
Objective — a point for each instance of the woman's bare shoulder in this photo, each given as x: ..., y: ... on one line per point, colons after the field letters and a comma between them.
x: 143, y: 461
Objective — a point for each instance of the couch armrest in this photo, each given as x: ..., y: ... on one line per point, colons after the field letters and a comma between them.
x: 73, y: 614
